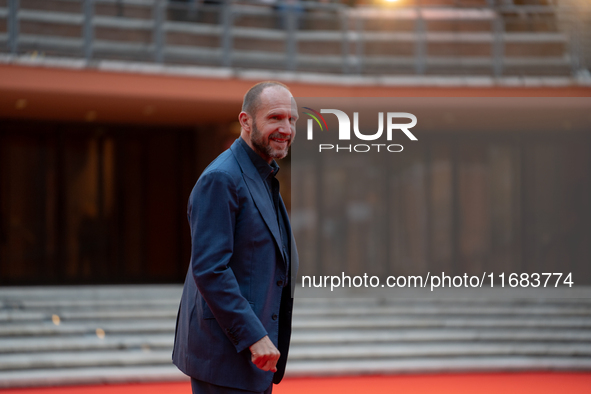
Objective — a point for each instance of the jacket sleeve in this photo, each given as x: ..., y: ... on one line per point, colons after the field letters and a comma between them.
x: 212, y: 211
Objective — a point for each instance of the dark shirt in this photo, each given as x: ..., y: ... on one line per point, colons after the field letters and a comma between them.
x: 268, y: 174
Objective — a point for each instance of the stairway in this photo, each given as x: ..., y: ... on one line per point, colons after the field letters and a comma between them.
x: 97, y: 334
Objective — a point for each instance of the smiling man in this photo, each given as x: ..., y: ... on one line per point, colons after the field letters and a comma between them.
x: 234, y: 321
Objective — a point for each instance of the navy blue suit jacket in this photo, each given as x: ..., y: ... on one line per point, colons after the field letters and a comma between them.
x: 236, y: 290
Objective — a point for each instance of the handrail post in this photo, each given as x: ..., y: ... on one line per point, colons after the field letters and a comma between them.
x: 88, y: 31
x: 13, y: 26
x: 498, y: 45
x: 345, y: 47
x: 290, y: 31
x: 575, y: 33
x: 420, y: 43
x: 360, y: 50
x: 226, y: 33
x: 158, y: 32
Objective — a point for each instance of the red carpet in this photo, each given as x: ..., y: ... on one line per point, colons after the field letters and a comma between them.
x: 497, y: 383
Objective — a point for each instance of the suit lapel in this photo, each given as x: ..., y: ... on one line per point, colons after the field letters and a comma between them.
x: 294, y: 258
x: 258, y: 191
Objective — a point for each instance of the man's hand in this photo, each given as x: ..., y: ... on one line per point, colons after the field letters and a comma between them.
x: 264, y: 354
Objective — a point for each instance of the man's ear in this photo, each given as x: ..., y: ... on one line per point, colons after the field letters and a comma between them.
x: 245, y: 121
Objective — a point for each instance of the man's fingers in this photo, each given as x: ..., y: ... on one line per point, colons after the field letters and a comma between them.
x: 259, y: 361
x: 264, y: 354
x: 269, y: 366
x: 266, y: 362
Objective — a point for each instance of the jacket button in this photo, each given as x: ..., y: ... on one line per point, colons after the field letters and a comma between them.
x: 280, y: 283
x: 274, y: 317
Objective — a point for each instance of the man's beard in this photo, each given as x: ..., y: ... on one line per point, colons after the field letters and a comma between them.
x: 259, y: 145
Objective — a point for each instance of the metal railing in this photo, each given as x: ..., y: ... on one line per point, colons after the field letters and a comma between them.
x: 303, y: 36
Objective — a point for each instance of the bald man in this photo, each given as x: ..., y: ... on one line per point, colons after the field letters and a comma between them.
x: 234, y: 321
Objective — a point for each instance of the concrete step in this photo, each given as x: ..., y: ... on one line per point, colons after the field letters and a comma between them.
x: 93, y: 375
x: 400, y: 322
x: 46, y: 328
x: 104, y: 312
x: 85, y: 359
x: 86, y: 343
x: 122, y: 293
x: 135, y: 341
x: 377, y: 351
x: 459, y: 364
x: 100, y: 314
x: 436, y: 310
x: 438, y: 335
x: 35, y: 304
x: 300, y: 324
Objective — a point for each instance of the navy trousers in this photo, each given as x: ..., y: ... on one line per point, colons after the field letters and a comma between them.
x: 201, y: 387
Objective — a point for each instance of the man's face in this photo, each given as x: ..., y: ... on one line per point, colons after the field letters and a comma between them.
x: 273, y: 126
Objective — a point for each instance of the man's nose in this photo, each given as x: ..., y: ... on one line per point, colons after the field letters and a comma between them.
x: 285, y: 127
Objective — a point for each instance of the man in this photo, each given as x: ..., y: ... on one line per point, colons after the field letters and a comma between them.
x: 234, y: 321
